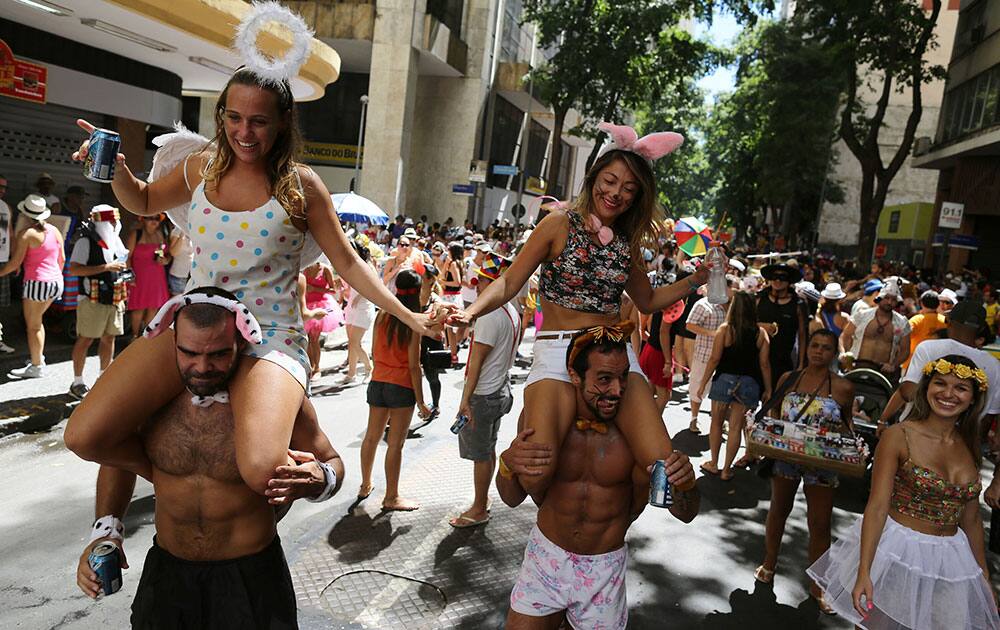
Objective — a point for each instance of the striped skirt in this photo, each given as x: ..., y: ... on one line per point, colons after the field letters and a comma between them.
x: 40, y: 290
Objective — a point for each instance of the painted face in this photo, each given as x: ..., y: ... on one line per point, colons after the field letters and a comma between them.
x: 206, y: 357
x: 252, y: 121
x: 614, y: 190
x: 603, y: 386
x: 821, y: 350
x: 948, y: 395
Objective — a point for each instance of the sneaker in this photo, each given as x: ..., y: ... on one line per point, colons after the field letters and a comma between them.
x: 5, y: 348
x: 78, y: 390
x: 28, y: 371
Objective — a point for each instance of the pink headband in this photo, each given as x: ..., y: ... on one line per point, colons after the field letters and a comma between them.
x: 651, y: 147
x: 246, y: 323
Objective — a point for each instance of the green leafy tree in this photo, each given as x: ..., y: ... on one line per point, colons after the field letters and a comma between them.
x: 770, y: 140
x: 613, y: 54
x: 880, y: 47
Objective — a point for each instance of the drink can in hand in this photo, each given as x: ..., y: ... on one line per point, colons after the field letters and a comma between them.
x: 102, y: 153
x: 460, y: 423
x: 659, y: 487
x: 105, y: 561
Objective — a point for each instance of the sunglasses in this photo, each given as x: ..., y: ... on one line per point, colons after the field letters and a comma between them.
x: 402, y: 244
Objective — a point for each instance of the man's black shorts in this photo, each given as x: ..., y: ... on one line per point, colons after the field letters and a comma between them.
x: 250, y: 592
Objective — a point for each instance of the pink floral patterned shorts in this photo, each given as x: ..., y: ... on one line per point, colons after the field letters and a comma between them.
x: 591, y: 589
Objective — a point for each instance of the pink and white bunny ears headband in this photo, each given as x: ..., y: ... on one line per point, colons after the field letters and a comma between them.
x: 650, y: 147
x: 246, y: 323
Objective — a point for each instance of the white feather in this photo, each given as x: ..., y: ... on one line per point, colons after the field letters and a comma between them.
x: 171, y: 151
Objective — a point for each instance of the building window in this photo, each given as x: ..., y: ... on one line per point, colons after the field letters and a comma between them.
x: 971, y: 106
x: 336, y: 117
x: 894, y: 222
x: 449, y: 13
x: 561, y: 189
x: 507, y: 120
x: 512, y: 47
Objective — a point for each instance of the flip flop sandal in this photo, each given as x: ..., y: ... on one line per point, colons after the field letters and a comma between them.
x: 764, y: 575
x: 464, y: 522
x: 823, y: 606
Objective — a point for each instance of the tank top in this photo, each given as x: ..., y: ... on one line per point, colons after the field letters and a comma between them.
x: 587, y: 276
x: 830, y: 322
x: 655, y: 323
x: 392, y: 363
x: 923, y: 494
x: 741, y: 360
x: 42, y: 263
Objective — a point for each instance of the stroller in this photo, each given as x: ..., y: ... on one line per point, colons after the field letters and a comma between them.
x: 872, y: 391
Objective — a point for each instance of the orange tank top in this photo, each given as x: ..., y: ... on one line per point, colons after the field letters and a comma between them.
x: 392, y: 363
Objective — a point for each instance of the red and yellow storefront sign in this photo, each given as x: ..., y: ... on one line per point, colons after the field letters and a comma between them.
x: 21, y: 79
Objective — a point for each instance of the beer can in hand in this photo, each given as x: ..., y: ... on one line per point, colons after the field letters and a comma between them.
x: 659, y: 487
x: 105, y: 561
x: 102, y: 154
x: 460, y: 423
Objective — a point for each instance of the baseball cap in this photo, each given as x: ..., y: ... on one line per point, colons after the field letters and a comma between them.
x: 873, y: 286
x: 968, y: 313
x: 484, y: 247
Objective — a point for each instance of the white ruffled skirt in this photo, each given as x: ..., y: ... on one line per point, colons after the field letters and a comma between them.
x: 921, y: 582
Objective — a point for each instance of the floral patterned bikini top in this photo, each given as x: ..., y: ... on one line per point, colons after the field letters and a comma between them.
x: 587, y: 276
x: 923, y: 494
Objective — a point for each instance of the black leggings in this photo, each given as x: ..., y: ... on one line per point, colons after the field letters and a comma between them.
x: 432, y: 379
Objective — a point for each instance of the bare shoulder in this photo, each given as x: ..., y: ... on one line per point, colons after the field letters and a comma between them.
x: 557, y: 221
x: 893, y: 439
x: 842, y: 389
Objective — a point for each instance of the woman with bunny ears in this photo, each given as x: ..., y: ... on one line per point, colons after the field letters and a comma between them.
x: 591, y: 253
x: 249, y: 209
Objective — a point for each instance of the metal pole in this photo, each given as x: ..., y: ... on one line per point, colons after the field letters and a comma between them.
x: 526, y: 141
x: 357, y: 155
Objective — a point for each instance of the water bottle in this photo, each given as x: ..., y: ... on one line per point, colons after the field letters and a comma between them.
x: 717, y: 293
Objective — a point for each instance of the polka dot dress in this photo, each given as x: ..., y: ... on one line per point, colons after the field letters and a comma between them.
x: 255, y: 255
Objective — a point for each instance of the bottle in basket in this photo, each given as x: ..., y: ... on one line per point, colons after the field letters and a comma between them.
x: 659, y: 487
x: 105, y: 561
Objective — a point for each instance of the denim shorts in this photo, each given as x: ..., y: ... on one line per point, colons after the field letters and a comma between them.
x: 390, y: 395
x: 809, y: 476
x: 727, y: 388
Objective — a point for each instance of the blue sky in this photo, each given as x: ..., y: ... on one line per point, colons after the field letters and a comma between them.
x: 723, y: 31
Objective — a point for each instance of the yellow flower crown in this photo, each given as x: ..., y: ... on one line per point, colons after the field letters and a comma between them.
x: 942, y: 366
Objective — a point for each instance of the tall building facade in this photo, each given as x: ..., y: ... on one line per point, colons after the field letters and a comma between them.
x: 965, y: 148
x: 446, y: 102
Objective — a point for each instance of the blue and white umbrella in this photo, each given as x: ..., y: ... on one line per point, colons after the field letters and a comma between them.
x: 357, y: 209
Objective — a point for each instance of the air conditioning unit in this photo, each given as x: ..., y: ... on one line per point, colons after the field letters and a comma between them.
x: 921, y: 146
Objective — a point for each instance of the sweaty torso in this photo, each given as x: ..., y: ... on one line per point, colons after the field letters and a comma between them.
x: 204, y: 510
x: 876, y: 345
x: 587, y: 508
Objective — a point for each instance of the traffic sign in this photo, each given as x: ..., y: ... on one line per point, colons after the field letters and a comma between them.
x: 466, y: 190
x: 504, y: 169
x: 518, y: 210
x: 951, y: 215
x: 477, y: 171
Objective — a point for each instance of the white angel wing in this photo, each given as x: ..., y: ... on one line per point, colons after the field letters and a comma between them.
x: 173, y: 148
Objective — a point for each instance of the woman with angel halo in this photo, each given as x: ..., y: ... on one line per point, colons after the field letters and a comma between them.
x: 590, y: 254
x: 249, y: 209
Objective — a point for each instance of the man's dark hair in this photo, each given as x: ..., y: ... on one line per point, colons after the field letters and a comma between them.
x: 581, y: 363
x: 930, y: 299
x: 201, y: 315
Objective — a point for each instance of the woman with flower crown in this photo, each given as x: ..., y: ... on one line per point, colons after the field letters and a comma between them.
x: 916, y: 558
x: 590, y: 254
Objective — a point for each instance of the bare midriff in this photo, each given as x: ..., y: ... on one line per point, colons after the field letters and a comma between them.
x: 555, y: 317
x: 586, y: 510
x: 199, y: 518
x: 922, y: 526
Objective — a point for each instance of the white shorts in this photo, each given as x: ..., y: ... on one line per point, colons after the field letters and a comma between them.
x: 591, y: 589
x: 549, y: 358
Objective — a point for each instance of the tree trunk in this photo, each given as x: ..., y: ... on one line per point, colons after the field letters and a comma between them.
x: 555, y: 156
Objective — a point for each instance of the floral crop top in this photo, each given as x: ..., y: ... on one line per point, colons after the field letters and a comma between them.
x: 923, y: 494
x: 587, y: 276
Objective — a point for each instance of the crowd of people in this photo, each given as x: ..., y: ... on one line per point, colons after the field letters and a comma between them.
x: 210, y: 402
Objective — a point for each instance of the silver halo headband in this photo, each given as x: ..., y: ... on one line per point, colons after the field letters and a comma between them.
x: 246, y: 323
x: 272, y: 71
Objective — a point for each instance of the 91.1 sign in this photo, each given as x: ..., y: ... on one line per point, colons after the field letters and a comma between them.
x: 951, y: 215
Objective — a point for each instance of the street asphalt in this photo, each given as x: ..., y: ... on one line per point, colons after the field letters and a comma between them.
x: 412, y: 570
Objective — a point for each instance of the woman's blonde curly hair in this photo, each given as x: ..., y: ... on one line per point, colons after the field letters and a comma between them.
x: 282, y: 159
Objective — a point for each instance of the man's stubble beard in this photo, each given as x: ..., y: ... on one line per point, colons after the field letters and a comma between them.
x: 214, y: 386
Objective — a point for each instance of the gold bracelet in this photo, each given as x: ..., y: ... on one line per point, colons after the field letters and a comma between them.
x: 505, y: 472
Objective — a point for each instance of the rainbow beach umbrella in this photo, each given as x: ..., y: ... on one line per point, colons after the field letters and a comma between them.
x: 692, y: 236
